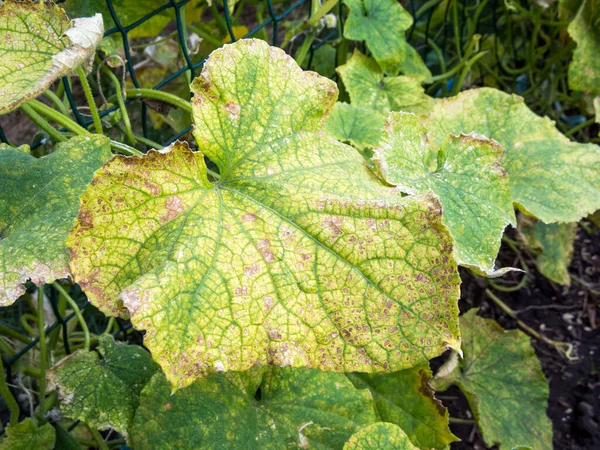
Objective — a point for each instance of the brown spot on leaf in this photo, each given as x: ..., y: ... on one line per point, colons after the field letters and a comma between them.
x: 85, y: 218
x: 233, y: 109
x: 174, y: 207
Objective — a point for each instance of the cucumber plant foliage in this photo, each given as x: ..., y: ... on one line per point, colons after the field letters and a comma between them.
x: 293, y: 296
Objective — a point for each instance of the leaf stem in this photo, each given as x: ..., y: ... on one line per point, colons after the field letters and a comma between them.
x: 90, y: 99
x: 57, y: 117
x: 43, y: 355
x: 77, y: 311
x: 461, y: 421
x: 6, y: 331
x: 121, y: 102
x: 55, y: 99
x: 42, y: 123
x: 319, y: 13
x: 8, y: 397
x: 119, y: 147
x: 160, y: 95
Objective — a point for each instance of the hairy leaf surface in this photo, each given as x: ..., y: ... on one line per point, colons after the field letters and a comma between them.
x: 361, y: 127
x: 39, y: 44
x: 381, y: 24
x: 369, y: 88
x: 504, y: 384
x: 554, y: 242
x: 552, y: 178
x: 293, y: 408
x: 405, y: 399
x: 465, y: 171
x: 102, y: 387
x: 584, y: 69
x: 380, y: 436
x: 297, y: 256
x: 27, y: 436
x: 39, y: 199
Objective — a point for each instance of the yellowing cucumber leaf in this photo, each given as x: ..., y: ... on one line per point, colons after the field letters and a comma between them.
x: 465, y: 171
x: 380, y: 436
x: 405, y: 399
x: 39, y: 199
x: 584, y: 69
x: 38, y: 44
x: 551, y: 178
x: 297, y: 256
x: 360, y: 127
x: 381, y: 24
x: 283, y: 408
x: 554, y: 243
x: 28, y: 436
x: 102, y: 387
x: 504, y: 384
x: 369, y: 88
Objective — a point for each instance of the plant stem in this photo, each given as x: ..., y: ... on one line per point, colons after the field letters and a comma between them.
x: 77, y: 311
x: 119, y: 147
x: 580, y: 127
x: 461, y: 421
x: 148, y: 142
x: 43, y: 355
x: 98, y: 438
x: 562, y: 347
x: 8, y: 397
x: 42, y: 123
x: 55, y: 99
x: 57, y: 117
x: 109, y: 325
x: 304, y: 48
x: 6, y: 331
x: 319, y: 13
x: 213, y: 174
x: 160, y: 95
x: 90, y: 99
x: 121, y: 102
x: 204, y: 35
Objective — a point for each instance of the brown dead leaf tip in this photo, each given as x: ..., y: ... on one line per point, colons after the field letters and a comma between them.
x: 428, y: 392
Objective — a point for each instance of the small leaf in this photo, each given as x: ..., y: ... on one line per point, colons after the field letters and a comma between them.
x: 39, y: 202
x: 405, y: 399
x: 504, y: 384
x: 298, y: 255
x: 584, y: 69
x: 360, y: 127
x: 28, y: 436
x: 39, y: 44
x: 551, y: 178
x: 381, y: 24
x: 293, y: 408
x: 555, y: 245
x: 102, y: 387
x: 369, y: 88
x: 380, y: 436
x: 465, y: 171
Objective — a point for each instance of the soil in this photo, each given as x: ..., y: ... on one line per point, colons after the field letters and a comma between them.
x: 566, y: 314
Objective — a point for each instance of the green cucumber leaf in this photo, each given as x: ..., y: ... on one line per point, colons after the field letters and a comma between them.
x: 380, y: 436
x: 504, y: 384
x: 465, y: 171
x: 102, y: 387
x: 298, y: 256
x: 28, y: 436
x: 38, y: 45
x: 554, y: 243
x: 360, y: 127
x: 584, y: 69
x: 381, y: 24
x: 294, y: 408
x: 405, y: 399
x: 551, y: 177
x: 369, y: 88
x: 39, y: 202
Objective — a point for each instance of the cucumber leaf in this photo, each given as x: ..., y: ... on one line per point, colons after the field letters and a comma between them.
x: 297, y: 256
x: 260, y: 409
x: 360, y: 127
x: 465, y: 171
x: 27, y: 436
x: 584, y: 69
x: 38, y: 45
x: 39, y: 202
x: 380, y: 436
x: 504, y: 385
x: 551, y: 177
x: 102, y: 387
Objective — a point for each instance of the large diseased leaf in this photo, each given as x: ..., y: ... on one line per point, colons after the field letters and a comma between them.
x: 584, y: 70
x: 102, y: 387
x: 381, y: 24
x: 369, y: 88
x: 465, y: 171
x: 554, y: 242
x: 260, y: 409
x: 552, y: 178
x: 297, y: 256
x: 28, y: 436
x: 360, y: 127
x: 380, y: 436
x: 39, y: 44
x: 405, y: 399
x: 504, y: 384
x: 39, y: 199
